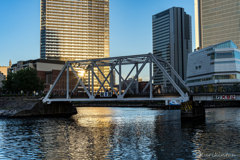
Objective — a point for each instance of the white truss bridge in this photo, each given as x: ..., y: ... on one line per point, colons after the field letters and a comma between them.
x: 115, y: 64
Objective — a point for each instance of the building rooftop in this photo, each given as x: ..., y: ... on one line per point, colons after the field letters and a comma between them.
x: 225, y: 44
x: 43, y: 61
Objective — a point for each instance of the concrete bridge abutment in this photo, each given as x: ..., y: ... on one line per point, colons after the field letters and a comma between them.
x: 58, y: 109
x: 22, y: 107
x: 192, y: 110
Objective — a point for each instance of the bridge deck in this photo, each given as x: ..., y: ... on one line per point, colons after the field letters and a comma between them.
x: 126, y: 98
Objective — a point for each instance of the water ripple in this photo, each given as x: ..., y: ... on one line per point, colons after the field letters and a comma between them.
x: 122, y: 133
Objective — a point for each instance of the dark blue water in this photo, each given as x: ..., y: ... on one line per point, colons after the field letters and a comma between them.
x: 123, y: 133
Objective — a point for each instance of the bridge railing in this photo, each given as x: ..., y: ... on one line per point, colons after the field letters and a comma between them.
x: 216, y: 88
x: 22, y: 94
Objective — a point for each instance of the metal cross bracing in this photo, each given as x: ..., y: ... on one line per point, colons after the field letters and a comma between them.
x: 92, y: 68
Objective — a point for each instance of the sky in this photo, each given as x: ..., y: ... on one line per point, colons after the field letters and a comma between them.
x: 130, y: 27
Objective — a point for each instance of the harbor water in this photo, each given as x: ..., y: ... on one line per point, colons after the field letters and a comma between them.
x: 123, y: 133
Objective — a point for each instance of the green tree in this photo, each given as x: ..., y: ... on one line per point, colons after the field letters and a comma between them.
x: 210, y: 88
x: 7, y: 84
x: 220, y: 89
x: 25, y: 79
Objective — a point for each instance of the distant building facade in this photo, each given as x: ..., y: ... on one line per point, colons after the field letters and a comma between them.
x: 141, y: 85
x: 3, y: 72
x: 216, y: 21
x: 48, y: 71
x: 134, y: 85
x: 3, y: 69
x: 172, y: 40
x: 2, y: 77
x: 216, y: 64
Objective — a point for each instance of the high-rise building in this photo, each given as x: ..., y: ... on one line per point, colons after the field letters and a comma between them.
x: 216, y: 21
x: 74, y: 29
x: 172, y: 40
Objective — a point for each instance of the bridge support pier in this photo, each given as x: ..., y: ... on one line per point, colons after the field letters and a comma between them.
x: 166, y: 102
x: 192, y: 110
x: 58, y: 109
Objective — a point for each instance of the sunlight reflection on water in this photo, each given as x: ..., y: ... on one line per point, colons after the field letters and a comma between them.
x: 122, y: 133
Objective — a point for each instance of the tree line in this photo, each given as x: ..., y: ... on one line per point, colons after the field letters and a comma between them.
x: 24, y: 80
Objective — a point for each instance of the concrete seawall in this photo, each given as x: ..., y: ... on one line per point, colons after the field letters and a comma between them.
x: 23, y: 107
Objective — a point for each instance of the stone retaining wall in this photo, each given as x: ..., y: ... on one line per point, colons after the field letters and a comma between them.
x: 20, y: 107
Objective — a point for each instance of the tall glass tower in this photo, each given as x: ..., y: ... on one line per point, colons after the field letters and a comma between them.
x: 172, y: 40
x: 216, y: 21
x: 74, y: 29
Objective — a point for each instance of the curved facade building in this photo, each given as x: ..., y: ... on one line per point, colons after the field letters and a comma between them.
x: 216, y: 64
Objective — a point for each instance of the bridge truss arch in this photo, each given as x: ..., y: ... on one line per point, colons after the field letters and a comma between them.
x: 93, y: 69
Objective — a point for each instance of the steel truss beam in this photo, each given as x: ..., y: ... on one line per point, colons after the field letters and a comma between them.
x: 80, y: 81
x: 89, y: 65
x: 105, y: 79
x: 174, y: 72
x: 124, y: 80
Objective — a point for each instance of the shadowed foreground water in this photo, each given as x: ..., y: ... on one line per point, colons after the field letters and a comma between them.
x: 123, y: 133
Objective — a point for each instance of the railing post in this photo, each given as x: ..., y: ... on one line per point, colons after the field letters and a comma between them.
x: 137, y: 88
x: 150, y: 76
x: 88, y: 79
x: 111, y: 78
x: 166, y: 102
x: 120, y: 76
x: 92, y: 80
x: 67, y: 81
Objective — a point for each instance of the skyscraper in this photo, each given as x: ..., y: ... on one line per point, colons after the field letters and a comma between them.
x: 74, y: 29
x: 216, y: 21
x: 172, y: 40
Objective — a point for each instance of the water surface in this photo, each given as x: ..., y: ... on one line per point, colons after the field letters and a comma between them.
x: 123, y: 133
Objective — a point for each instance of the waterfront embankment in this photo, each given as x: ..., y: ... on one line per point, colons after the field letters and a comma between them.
x: 29, y: 107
